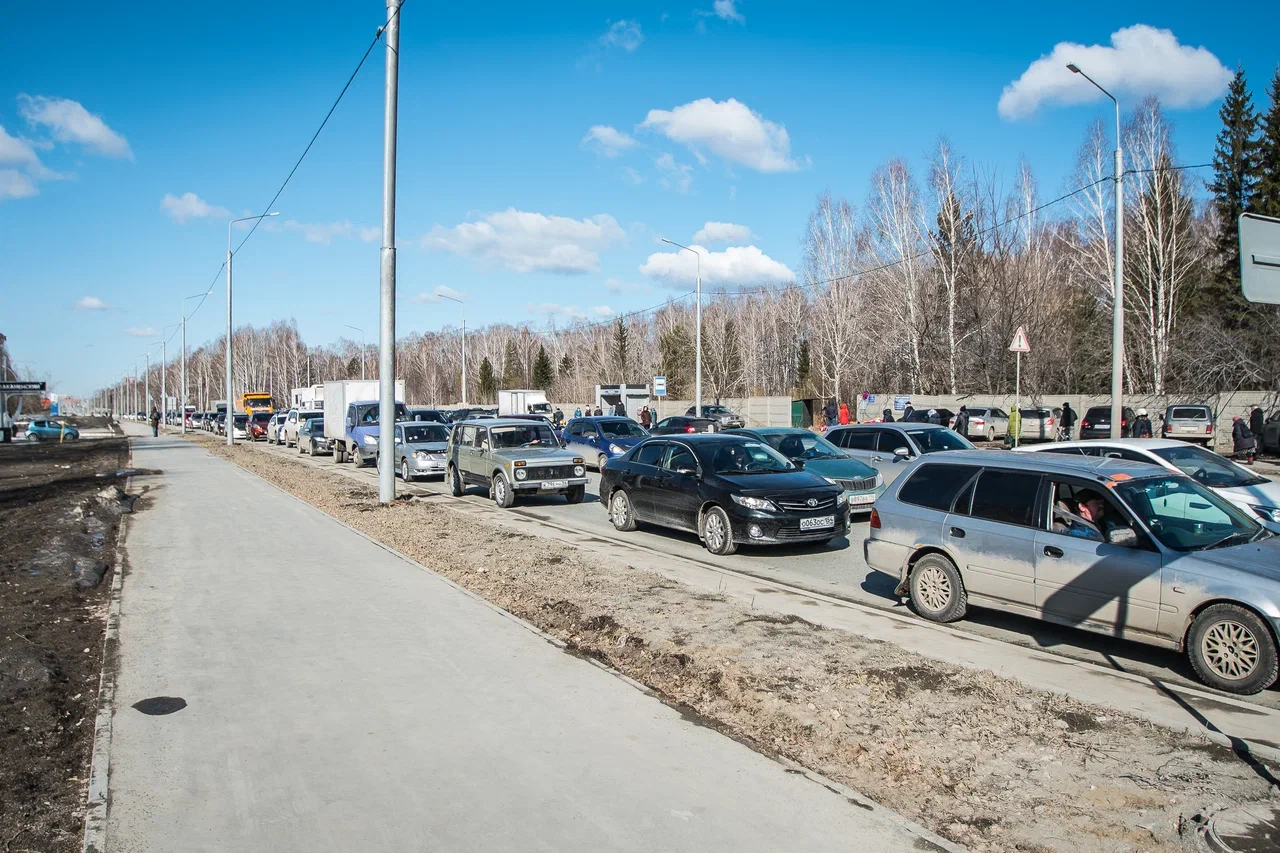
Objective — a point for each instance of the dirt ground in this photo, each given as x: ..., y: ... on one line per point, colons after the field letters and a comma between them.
x: 59, y: 517
x: 980, y: 759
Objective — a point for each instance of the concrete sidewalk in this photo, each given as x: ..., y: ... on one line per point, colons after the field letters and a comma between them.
x: 339, y: 698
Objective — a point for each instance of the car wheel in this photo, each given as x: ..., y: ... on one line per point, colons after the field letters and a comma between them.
x: 31, y: 436
x: 404, y: 470
x: 937, y: 590
x: 717, y: 533
x: 600, y: 460
x: 1231, y: 649
x: 620, y: 511
x: 500, y: 491
x: 455, y: 482
x: 339, y: 453
x: 991, y: 433
x: 575, y: 494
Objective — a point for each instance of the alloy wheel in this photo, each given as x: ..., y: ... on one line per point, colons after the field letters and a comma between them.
x: 619, y: 509
x: 934, y: 588
x: 1230, y: 649
x: 715, y: 531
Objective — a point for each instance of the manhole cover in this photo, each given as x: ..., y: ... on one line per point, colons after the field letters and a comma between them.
x: 1246, y: 829
x: 159, y: 705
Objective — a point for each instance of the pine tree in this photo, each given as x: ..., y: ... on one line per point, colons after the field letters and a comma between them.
x: 543, y: 372
x: 488, y: 381
x: 512, y: 370
x: 621, y: 345
x: 566, y: 366
x: 803, y: 366
x: 1235, y: 173
x: 675, y: 355
x: 1266, y: 199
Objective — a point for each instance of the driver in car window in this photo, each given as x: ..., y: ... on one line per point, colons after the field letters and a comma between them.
x: 1093, y: 518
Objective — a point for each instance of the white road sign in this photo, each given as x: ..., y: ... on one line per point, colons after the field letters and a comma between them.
x: 1020, y: 343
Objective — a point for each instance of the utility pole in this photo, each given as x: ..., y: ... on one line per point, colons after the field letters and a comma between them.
x: 387, y: 279
x: 464, y: 345
x: 231, y: 397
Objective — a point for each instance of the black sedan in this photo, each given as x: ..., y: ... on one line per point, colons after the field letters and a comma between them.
x: 682, y: 425
x: 729, y: 489
x: 311, y: 438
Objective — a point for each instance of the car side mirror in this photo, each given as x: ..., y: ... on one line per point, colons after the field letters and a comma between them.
x: 901, y: 452
x: 688, y: 472
x: 1122, y: 536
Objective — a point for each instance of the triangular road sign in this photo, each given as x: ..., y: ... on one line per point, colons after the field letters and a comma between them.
x: 1020, y: 343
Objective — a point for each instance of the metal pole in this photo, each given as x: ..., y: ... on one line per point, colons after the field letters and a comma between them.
x: 183, y: 378
x: 387, y: 282
x: 464, y: 356
x: 1017, y: 394
x: 164, y: 401
x: 697, y: 346
x: 231, y: 406
x: 147, y: 376
x: 1117, y: 317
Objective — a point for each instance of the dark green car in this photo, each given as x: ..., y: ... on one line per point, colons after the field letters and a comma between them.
x: 861, y: 483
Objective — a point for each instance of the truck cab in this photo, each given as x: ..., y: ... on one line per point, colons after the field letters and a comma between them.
x: 361, y: 431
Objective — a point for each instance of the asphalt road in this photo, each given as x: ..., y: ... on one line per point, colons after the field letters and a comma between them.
x: 838, y: 570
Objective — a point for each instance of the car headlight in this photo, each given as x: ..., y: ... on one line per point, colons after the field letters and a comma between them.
x: 370, y: 441
x: 1267, y: 513
x: 840, y: 498
x: 879, y: 479
x: 613, y: 448
x: 521, y: 473
x: 754, y: 503
x: 419, y: 454
x: 579, y: 471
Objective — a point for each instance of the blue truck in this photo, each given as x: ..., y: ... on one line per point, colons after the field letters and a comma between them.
x: 351, y: 418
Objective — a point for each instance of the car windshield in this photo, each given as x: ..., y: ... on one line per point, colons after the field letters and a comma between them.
x: 622, y: 429
x: 241, y: 420
x: 428, y: 415
x: 528, y: 435
x: 803, y: 445
x: 1185, y: 516
x: 934, y: 440
x: 315, y: 425
x: 261, y: 417
x: 1189, y: 413
x: 1206, y: 468
x: 1097, y: 413
x: 749, y: 457
x: 714, y: 410
x: 421, y: 433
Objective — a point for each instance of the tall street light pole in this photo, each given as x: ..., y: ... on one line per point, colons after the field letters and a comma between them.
x: 697, y: 333
x: 363, y: 346
x: 1117, y: 302
x: 464, y: 345
x: 231, y: 401
x: 387, y: 263
x: 183, y: 371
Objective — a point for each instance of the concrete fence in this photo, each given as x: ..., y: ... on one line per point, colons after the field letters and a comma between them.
x: 758, y: 411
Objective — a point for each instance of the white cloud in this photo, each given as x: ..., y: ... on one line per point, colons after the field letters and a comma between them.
x: 624, y: 34
x: 14, y: 184
x: 722, y: 232
x: 632, y: 175
x: 15, y: 151
x: 437, y: 293
x: 602, y: 311
x: 725, y: 10
x: 728, y: 128
x: 91, y: 303
x: 142, y: 332
x: 674, y: 176
x: 736, y: 266
x: 325, y: 233
x: 191, y: 206
x: 1141, y: 60
x: 529, y: 242
x: 607, y: 140
x: 71, y: 122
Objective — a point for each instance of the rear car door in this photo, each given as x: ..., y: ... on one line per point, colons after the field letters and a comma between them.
x: 641, y: 475
x: 886, y: 459
x: 1083, y: 578
x: 859, y: 443
x: 675, y: 495
x: 993, y: 532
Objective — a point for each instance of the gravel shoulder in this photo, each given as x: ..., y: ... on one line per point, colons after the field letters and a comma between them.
x: 979, y: 759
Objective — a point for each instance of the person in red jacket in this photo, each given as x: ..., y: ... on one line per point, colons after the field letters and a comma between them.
x: 844, y: 414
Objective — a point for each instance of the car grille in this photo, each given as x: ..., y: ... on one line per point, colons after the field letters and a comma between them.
x: 793, y: 531
x: 864, y: 485
x: 794, y: 504
x: 550, y: 472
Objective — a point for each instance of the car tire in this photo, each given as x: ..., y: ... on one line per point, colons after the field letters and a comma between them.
x: 31, y: 436
x: 455, y: 482
x: 575, y: 494
x: 600, y: 460
x: 404, y: 470
x: 937, y: 590
x: 501, y: 492
x: 339, y: 453
x: 621, y: 512
x: 717, y: 532
x: 1231, y: 649
x: 991, y: 433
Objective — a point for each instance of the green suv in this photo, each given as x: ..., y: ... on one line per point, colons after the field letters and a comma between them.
x: 509, y: 456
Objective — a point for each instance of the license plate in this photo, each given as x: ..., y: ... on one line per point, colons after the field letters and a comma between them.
x: 435, y: 463
x: 1189, y: 429
x: 862, y: 500
x: 554, y: 484
x: 818, y: 523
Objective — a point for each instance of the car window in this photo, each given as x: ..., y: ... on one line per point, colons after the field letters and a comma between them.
x: 749, y: 457
x: 1208, y: 469
x: 651, y: 453
x: 1124, y: 453
x: 1185, y: 516
x: 802, y: 445
x: 482, y: 437
x: 859, y: 439
x: 1005, y: 496
x: 666, y: 422
x: 890, y: 440
x: 936, y: 486
x: 1075, y: 451
x: 467, y: 437
x: 423, y: 431
x: 622, y: 429
x: 1097, y: 413
x: 1189, y: 413
x: 935, y: 440
x: 679, y: 457
x: 999, y: 413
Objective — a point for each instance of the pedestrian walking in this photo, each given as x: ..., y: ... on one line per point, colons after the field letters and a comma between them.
x: 1067, y: 420
x: 962, y: 421
x: 908, y: 412
x: 646, y: 418
x: 1142, y: 425
x: 1242, y: 440
x: 620, y: 409
x: 831, y: 413
x: 1256, y: 419
x: 887, y: 416
x: 844, y: 414
x: 155, y: 422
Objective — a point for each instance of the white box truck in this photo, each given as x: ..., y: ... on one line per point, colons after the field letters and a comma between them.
x: 310, y: 397
x: 522, y: 402
x: 351, y: 418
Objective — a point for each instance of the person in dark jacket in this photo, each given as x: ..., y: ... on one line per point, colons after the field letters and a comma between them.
x: 908, y: 412
x: 1142, y: 425
x: 155, y: 422
x: 1256, y: 419
x: 962, y: 421
x: 1067, y: 419
x: 1242, y: 440
x: 620, y: 410
x: 887, y: 416
x: 935, y: 418
x: 831, y: 413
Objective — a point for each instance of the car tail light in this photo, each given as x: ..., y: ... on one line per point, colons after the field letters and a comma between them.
x: 690, y: 428
x: 1208, y: 429
x: 1084, y: 424
x: 1168, y: 427
x: 875, y: 519
x: 977, y: 422
x: 1124, y: 422
x: 1048, y: 422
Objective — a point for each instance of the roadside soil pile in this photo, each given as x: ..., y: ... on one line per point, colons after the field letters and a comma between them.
x: 977, y: 758
x: 60, y: 509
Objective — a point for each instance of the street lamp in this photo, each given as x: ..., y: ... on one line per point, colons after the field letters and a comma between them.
x: 231, y: 402
x: 697, y: 334
x: 362, y: 346
x: 464, y: 344
x: 183, y: 312
x: 164, y: 363
x: 1117, y: 304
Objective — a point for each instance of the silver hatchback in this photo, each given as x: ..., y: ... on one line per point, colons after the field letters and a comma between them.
x: 1120, y: 548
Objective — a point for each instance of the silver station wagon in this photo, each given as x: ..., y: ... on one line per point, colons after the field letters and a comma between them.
x: 511, y: 456
x: 1112, y: 546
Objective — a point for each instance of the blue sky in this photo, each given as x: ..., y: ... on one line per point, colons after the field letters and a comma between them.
x: 737, y: 113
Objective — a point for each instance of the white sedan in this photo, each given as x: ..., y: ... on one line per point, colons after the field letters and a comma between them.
x: 1258, y: 496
